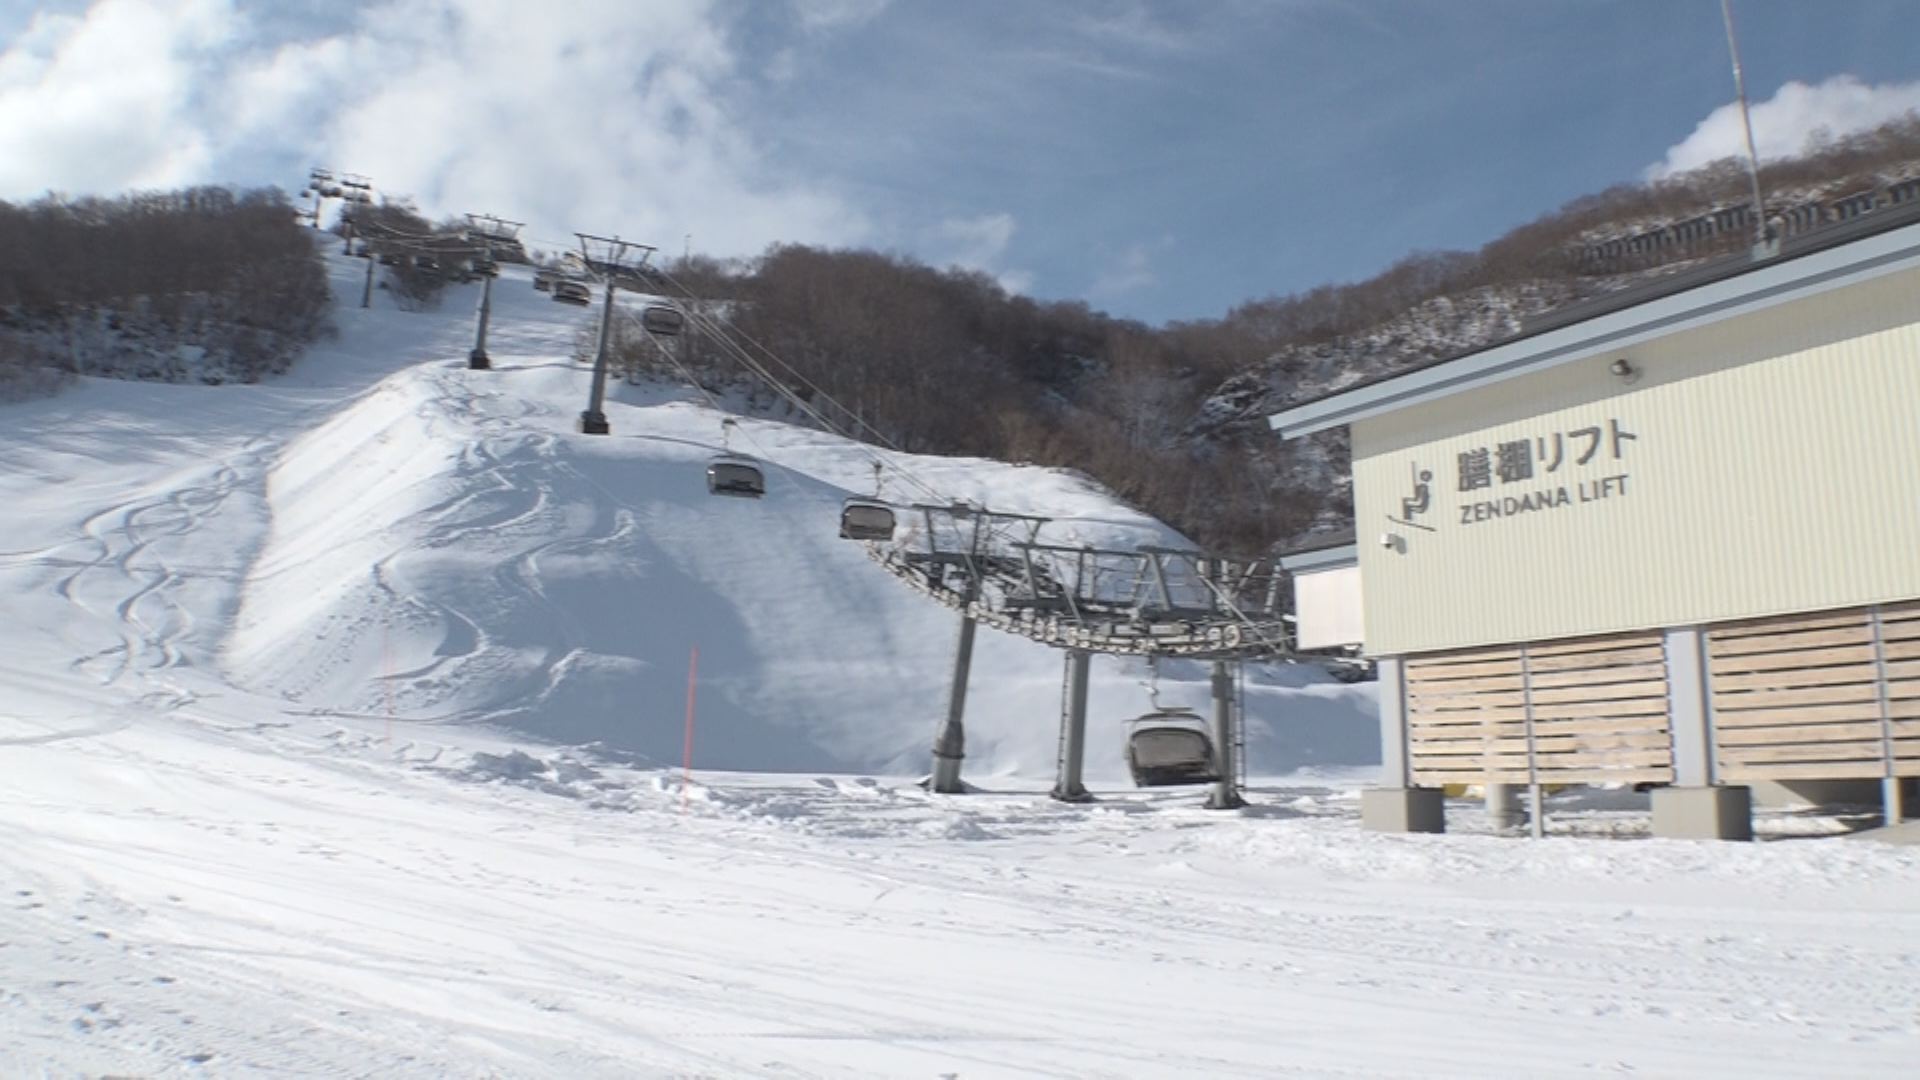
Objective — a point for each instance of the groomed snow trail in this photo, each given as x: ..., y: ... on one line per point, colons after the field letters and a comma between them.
x: 284, y: 675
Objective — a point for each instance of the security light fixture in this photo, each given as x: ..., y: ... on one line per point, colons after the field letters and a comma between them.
x: 1624, y: 368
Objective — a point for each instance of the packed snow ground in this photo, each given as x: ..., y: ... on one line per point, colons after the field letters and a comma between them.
x: 342, y: 721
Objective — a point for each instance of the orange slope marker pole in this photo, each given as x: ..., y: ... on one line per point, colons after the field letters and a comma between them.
x: 686, y: 756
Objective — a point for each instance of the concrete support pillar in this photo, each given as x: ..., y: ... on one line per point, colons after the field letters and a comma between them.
x: 1067, y: 786
x: 1395, y: 806
x: 1703, y: 813
x: 950, y: 745
x: 1696, y: 807
x: 1226, y: 790
x: 1421, y: 810
x: 1503, y: 806
x: 1893, y: 806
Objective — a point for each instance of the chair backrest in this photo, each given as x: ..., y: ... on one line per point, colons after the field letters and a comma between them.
x: 866, y: 521
x: 735, y: 478
x: 1169, y: 747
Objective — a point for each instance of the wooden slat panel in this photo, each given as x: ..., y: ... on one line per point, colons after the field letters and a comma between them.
x: 1802, y: 771
x: 1634, y: 775
x: 1899, y: 631
x: 1903, y: 693
x: 1796, y: 714
x: 1422, y: 674
x: 1442, y: 777
x: 1869, y: 754
x: 1902, y: 670
x: 1516, y: 759
x: 1901, y: 609
x: 1598, y: 760
x: 1508, y: 744
x: 1592, y: 645
x: 1796, y: 677
x: 1820, y: 639
x: 1637, y: 711
x: 1908, y: 709
x: 1643, y: 688
x: 1469, y: 687
x: 1750, y: 662
x: 1798, y: 733
x: 1456, y: 732
x: 1781, y: 624
x: 1631, y: 725
x: 1902, y: 650
x: 1601, y: 677
x: 1639, y: 707
x: 1603, y: 745
x: 1634, y: 654
x: 1903, y: 729
x: 1771, y: 699
x: 1444, y: 721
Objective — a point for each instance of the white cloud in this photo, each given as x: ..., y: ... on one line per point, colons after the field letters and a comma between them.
x: 980, y: 243
x: 593, y: 115
x: 1783, y: 124
x: 103, y: 101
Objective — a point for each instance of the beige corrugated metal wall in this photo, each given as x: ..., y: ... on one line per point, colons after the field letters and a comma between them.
x: 1765, y: 465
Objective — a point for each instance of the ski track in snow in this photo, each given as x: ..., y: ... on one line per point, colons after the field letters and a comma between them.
x: 250, y: 827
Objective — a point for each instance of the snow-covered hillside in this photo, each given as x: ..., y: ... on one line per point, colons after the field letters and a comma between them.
x: 343, y: 719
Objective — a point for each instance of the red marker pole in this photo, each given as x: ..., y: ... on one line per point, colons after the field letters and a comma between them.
x: 686, y: 757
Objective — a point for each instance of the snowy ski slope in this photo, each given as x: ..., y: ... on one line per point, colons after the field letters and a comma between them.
x: 342, y: 723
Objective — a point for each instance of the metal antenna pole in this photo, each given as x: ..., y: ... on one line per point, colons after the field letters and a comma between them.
x: 1763, y: 233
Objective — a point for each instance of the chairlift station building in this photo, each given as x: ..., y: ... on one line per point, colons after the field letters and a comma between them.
x: 1670, y: 537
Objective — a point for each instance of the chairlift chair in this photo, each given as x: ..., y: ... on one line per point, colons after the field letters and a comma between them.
x: 662, y: 320
x: 866, y: 519
x: 572, y: 292
x: 543, y: 280
x: 1168, y: 747
x: 735, y: 476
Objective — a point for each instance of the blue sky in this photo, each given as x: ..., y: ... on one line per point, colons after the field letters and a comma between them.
x: 1157, y: 160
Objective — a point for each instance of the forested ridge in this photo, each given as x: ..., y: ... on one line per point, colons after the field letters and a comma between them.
x: 1173, y: 417
x: 215, y: 285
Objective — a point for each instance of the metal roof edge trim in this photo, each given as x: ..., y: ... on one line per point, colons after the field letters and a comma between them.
x: 1331, y: 558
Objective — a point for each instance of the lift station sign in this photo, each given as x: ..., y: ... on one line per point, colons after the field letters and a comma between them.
x: 1533, y: 474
